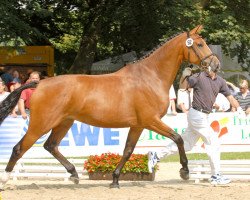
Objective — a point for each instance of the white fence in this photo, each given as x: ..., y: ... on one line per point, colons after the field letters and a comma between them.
x: 233, y: 169
x: 43, y: 169
x: 52, y: 169
x: 84, y: 140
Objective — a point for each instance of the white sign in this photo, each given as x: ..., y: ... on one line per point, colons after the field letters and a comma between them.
x: 189, y: 42
x: 84, y: 140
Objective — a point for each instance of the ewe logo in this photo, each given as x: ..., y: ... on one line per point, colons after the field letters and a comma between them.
x: 40, y: 141
x: 81, y: 134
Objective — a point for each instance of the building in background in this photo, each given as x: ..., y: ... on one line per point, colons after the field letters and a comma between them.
x: 37, y: 58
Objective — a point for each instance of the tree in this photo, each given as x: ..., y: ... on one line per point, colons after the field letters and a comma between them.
x: 84, y: 31
x: 227, y: 23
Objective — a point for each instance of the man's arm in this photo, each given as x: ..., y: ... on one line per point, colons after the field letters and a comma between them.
x: 22, y: 108
x: 234, y: 103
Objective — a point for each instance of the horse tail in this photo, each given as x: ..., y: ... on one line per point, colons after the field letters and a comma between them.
x: 9, y: 103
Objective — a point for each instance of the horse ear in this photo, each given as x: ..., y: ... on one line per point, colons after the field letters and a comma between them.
x: 196, y: 30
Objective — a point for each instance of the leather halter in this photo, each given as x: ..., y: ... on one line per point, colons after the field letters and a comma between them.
x: 202, y: 64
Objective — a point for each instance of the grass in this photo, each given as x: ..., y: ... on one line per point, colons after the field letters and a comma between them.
x: 203, y: 156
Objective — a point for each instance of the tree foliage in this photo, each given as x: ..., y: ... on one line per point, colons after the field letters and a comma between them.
x: 227, y: 23
x: 84, y: 31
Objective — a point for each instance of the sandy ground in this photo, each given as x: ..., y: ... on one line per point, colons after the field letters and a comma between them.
x: 167, y: 185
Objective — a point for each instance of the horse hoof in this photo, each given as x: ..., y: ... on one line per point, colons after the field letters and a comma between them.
x: 184, y: 174
x: 75, y: 180
x: 114, y: 185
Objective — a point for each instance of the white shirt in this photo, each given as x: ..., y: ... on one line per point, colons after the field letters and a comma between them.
x: 172, y: 95
x: 183, y: 97
x: 3, y: 96
x: 222, y: 102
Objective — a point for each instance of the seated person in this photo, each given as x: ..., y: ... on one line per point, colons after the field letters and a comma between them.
x: 221, y: 103
x: 233, y: 89
x: 172, y: 98
x: 3, y: 92
x: 243, y: 97
x: 184, y: 99
x: 24, y: 101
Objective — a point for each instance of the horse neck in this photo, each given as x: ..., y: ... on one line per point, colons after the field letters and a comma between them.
x: 166, y: 60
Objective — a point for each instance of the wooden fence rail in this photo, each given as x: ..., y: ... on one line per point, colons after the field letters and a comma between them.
x: 43, y: 168
x: 233, y: 169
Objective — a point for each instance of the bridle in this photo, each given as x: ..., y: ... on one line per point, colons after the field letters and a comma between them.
x: 189, y: 44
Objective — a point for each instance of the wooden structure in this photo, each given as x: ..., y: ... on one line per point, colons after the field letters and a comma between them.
x: 37, y: 58
x: 43, y: 169
x: 233, y: 169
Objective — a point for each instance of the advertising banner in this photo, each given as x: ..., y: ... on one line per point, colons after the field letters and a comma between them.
x: 84, y: 140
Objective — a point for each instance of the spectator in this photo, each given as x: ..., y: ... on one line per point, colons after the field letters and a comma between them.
x: 3, y: 92
x: 7, y: 76
x: 16, y: 77
x: 221, y: 104
x: 15, y: 84
x: 243, y: 97
x: 172, y: 98
x: 24, y: 102
x: 27, y: 77
x: 184, y: 99
x: 15, y: 80
x: 44, y: 75
x: 233, y: 89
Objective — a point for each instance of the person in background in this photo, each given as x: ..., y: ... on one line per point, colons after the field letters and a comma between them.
x: 233, y: 89
x: 27, y: 76
x: 221, y: 104
x: 184, y: 99
x: 172, y: 98
x: 44, y: 75
x: 24, y: 101
x: 243, y: 97
x: 7, y: 76
x: 15, y: 84
x: 206, y: 86
x: 16, y: 77
x: 3, y: 92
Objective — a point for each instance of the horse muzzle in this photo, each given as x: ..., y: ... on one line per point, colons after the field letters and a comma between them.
x: 211, y: 63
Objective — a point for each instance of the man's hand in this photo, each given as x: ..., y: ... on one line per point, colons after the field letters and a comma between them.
x: 187, y: 72
x: 24, y: 115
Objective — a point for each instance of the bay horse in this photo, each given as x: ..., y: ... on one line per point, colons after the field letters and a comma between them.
x: 136, y: 96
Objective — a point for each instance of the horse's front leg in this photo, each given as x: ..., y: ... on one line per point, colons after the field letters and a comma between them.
x: 161, y: 128
x: 133, y: 136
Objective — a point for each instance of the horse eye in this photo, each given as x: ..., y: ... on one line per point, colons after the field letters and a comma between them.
x: 200, y: 45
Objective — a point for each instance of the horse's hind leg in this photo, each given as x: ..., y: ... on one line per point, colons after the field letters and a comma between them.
x: 133, y: 136
x: 161, y: 128
x: 52, y: 143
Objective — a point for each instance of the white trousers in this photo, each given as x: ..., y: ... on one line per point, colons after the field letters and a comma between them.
x: 198, y: 127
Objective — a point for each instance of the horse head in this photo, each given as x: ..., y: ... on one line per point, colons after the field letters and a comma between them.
x: 197, y: 51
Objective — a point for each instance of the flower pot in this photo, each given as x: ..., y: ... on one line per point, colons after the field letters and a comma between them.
x: 129, y: 176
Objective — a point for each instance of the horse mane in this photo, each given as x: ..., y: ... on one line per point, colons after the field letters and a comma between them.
x: 157, y: 47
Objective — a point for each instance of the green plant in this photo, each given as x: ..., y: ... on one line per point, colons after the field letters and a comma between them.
x: 107, y: 162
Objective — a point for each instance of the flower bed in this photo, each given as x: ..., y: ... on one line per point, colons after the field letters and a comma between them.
x: 101, y: 167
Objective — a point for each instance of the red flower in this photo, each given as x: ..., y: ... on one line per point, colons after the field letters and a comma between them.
x: 107, y: 162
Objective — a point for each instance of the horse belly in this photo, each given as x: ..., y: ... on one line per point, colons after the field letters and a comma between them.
x: 104, y: 116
